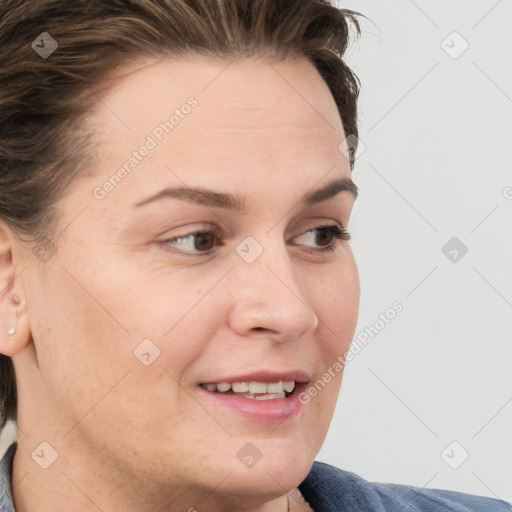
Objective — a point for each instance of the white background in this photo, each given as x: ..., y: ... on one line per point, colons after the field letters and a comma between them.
x: 438, y: 137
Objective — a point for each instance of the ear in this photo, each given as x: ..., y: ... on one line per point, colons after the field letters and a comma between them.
x: 13, y: 314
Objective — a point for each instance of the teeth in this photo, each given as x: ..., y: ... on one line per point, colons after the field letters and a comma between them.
x: 266, y: 396
x: 275, y: 387
x: 257, y: 387
x: 240, y: 387
x: 269, y: 396
x: 289, y: 386
x: 252, y: 388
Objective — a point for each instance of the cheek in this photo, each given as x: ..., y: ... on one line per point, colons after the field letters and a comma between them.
x: 108, y: 355
x: 336, y: 302
x: 82, y: 351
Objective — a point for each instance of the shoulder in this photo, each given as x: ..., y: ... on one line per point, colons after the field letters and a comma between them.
x: 6, y: 503
x: 327, y: 488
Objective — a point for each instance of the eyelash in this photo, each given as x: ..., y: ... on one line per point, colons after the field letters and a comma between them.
x: 339, y: 233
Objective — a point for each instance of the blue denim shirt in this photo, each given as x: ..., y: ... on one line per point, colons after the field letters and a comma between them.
x: 329, y: 489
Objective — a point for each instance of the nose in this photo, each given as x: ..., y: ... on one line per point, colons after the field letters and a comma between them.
x: 267, y: 301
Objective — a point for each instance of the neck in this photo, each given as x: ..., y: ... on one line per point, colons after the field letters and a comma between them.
x: 78, y: 482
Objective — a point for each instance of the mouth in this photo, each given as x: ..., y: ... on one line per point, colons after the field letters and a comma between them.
x: 253, y: 390
x: 264, y: 396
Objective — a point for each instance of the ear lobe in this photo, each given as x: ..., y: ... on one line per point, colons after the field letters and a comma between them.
x: 13, y: 332
x: 14, y: 329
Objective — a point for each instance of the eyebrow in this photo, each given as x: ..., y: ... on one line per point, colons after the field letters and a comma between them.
x: 228, y: 201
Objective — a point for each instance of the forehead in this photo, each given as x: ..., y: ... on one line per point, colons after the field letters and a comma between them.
x: 238, y: 94
x: 275, y: 122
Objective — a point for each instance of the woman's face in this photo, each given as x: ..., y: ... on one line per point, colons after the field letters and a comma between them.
x: 134, y: 314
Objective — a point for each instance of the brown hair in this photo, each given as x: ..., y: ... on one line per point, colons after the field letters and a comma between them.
x: 44, y: 97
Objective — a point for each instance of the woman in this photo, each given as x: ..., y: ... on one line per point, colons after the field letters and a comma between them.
x: 144, y: 371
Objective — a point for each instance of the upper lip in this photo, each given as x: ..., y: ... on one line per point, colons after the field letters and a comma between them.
x: 265, y: 376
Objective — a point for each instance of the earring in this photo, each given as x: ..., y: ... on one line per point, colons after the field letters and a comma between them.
x: 10, y: 318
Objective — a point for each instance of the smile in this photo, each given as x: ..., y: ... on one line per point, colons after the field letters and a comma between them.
x: 253, y: 390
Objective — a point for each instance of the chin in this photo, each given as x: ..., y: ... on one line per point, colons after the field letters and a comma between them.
x: 276, y: 465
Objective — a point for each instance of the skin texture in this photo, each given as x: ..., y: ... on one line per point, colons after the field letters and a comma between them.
x: 137, y: 438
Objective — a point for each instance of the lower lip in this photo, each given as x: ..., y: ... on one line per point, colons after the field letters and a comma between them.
x: 274, y: 410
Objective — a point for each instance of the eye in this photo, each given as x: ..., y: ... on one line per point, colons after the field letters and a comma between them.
x: 200, y: 243
x: 334, y: 234
x: 203, y: 239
